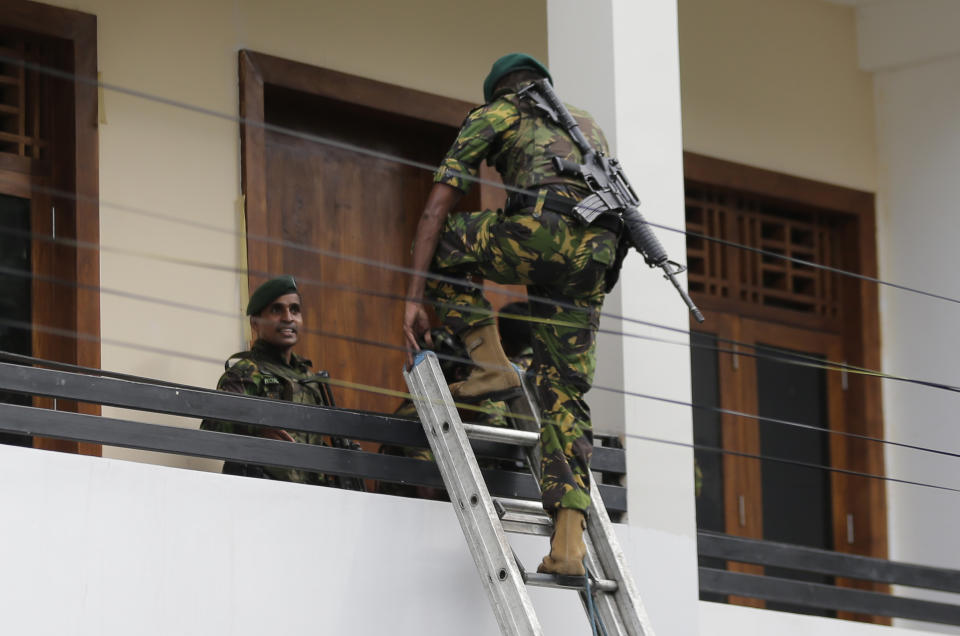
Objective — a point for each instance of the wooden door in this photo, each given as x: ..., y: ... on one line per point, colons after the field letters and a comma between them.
x: 778, y: 403
x: 752, y: 296
x: 348, y: 217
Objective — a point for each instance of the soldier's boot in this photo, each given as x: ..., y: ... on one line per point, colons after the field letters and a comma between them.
x: 566, y: 544
x: 493, y: 377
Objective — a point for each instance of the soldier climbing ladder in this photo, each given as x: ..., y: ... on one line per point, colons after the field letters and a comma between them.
x: 608, y: 592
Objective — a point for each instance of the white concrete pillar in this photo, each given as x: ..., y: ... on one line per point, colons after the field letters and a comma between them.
x: 912, y: 49
x: 619, y: 60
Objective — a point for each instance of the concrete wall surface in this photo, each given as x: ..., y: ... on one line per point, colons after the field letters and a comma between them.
x: 120, y: 548
x: 918, y: 102
x: 723, y: 620
x: 776, y: 84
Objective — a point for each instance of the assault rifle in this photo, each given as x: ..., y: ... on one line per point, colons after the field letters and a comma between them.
x: 609, y: 187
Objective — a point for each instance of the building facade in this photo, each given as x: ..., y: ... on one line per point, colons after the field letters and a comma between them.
x: 224, y: 136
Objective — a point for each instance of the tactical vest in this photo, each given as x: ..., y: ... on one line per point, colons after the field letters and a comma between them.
x: 525, y: 161
x: 281, y: 382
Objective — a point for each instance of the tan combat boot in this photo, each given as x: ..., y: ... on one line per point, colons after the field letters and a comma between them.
x: 566, y: 544
x: 494, y: 377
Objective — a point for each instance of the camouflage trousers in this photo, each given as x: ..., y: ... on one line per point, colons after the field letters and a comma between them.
x: 557, y: 260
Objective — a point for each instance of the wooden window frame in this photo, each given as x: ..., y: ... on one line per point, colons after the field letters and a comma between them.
x: 258, y: 69
x: 74, y: 169
x: 858, y: 332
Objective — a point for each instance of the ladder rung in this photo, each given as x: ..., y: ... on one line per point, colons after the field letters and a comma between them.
x: 568, y: 582
x: 523, y: 517
x: 520, y: 526
x: 504, y: 435
x: 525, y: 506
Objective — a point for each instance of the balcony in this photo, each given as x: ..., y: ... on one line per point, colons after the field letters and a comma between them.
x: 120, y: 547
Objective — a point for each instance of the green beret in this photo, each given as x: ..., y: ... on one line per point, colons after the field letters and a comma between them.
x: 507, y: 64
x: 269, y: 292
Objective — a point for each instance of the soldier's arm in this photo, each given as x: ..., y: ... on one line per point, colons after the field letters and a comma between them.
x: 477, y: 138
x: 250, y: 384
x: 441, y: 201
x: 242, y: 380
x: 453, y: 179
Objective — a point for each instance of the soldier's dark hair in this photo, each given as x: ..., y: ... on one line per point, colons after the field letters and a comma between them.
x: 516, y: 79
x: 515, y: 335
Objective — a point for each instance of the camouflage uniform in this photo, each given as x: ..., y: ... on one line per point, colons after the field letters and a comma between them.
x: 262, y: 372
x: 552, y: 254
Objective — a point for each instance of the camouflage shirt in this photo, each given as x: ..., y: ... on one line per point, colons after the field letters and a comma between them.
x: 262, y: 372
x: 511, y: 134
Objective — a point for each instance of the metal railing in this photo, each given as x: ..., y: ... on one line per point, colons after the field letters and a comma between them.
x: 205, y: 403
x: 822, y: 596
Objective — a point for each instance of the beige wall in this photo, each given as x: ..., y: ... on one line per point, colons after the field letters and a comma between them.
x: 757, y: 87
x: 170, y: 161
x: 775, y: 84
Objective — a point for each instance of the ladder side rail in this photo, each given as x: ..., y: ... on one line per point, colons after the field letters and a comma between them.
x: 529, y: 419
x: 623, y: 611
x: 471, y: 501
x: 606, y: 552
x: 525, y: 406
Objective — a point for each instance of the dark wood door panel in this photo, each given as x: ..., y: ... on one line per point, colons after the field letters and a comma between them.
x: 353, y: 205
x: 342, y: 206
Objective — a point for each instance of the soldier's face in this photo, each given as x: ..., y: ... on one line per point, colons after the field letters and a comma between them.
x: 280, y: 322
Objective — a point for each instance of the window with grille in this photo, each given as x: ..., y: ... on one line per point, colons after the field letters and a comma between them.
x: 22, y: 129
x: 771, y: 230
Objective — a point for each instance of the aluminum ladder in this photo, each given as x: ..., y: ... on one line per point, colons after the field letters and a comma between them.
x: 485, y: 520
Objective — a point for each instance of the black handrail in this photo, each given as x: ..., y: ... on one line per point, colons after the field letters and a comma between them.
x: 207, y: 403
x: 204, y: 403
x: 819, y: 595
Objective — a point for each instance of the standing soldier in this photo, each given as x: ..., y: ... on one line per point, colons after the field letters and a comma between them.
x: 535, y: 241
x: 271, y: 369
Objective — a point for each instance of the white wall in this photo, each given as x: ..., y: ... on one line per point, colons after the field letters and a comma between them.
x: 733, y: 620
x: 775, y: 84
x: 105, y: 547
x: 918, y: 103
